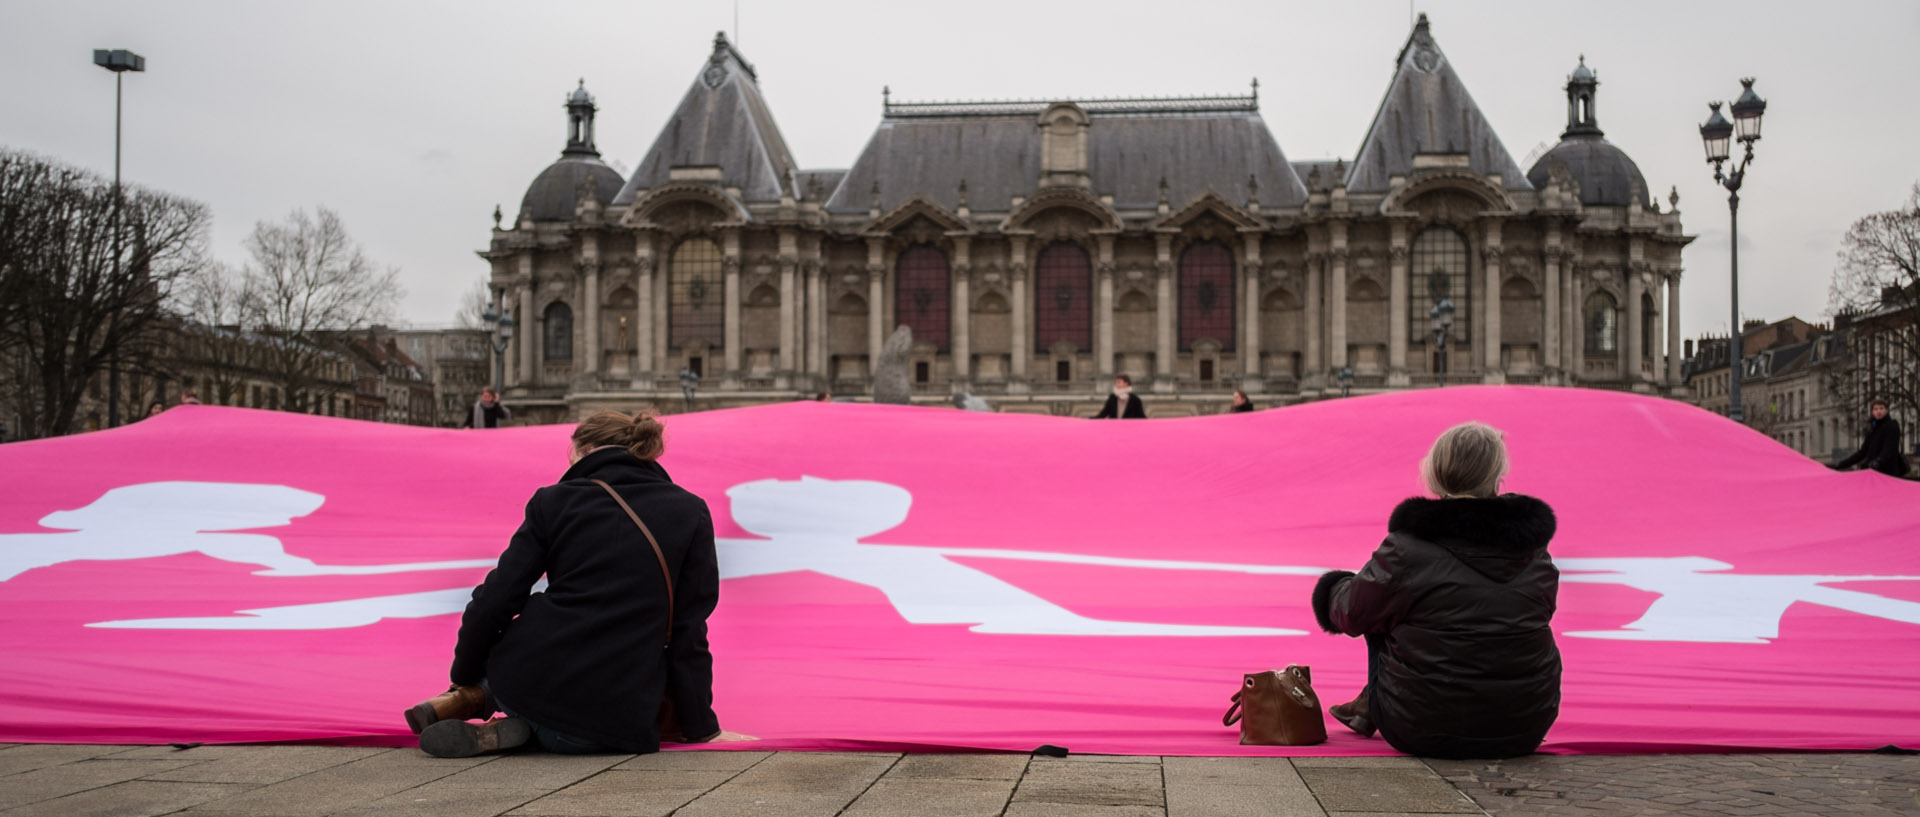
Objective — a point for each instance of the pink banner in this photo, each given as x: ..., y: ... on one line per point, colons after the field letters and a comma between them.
x: 926, y: 578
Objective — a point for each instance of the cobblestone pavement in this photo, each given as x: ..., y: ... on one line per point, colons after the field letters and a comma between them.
x: 311, y: 781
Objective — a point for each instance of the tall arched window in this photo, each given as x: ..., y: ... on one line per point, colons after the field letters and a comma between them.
x: 1603, y: 324
x: 1206, y: 295
x: 920, y: 289
x: 1439, y: 269
x: 557, y: 337
x: 695, y: 293
x: 1063, y: 305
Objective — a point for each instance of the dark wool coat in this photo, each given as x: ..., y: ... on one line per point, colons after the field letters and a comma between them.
x: 588, y: 657
x: 1136, y: 410
x: 1881, y: 450
x: 1458, y: 600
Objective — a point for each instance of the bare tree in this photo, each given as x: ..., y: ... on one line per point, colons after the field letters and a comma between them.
x: 214, y: 339
x: 1875, y: 293
x: 85, y: 274
x: 306, y: 279
x: 473, y: 305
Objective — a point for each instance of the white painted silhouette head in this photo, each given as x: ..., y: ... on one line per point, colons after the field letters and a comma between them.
x: 176, y: 507
x: 811, y: 506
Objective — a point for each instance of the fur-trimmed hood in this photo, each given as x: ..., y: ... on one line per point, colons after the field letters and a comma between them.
x: 1497, y: 537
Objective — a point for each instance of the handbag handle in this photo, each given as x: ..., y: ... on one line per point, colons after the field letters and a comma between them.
x: 657, y: 552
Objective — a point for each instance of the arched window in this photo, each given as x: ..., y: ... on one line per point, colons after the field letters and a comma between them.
x: 1206, y: 295
x: 920, y: 289
x: 557, y: 337
x: 1439, y: 268
x: 1603, y: 324
x: 695, y: 293
x: 1648, y: 332
x: 1063, y: 305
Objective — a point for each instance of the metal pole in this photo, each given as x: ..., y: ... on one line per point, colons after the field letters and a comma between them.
x: 1736, y: 343
x: 113, y: 353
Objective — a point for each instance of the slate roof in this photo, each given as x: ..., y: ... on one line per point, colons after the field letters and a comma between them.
x: 1606, y: 175
x: 722, y: 121
x: 1427, y: 110
x: 928, y: 149
x: 553, y: 194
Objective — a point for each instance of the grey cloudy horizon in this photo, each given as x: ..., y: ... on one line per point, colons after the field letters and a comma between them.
x: 413, y: 120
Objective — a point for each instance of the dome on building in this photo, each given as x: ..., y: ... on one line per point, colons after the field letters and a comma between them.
x: 555, y: 192
x: 1606, y: 175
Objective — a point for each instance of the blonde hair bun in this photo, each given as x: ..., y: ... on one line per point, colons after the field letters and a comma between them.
x: 1468, y: 460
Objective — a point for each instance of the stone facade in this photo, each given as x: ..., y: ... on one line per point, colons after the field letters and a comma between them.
x: 1039, y: 248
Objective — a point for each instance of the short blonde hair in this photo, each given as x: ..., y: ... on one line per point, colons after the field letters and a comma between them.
x: 1468, y: 460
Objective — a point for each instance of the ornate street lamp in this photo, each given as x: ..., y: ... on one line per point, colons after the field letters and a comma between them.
x: 500, y: 327
x: 1346, y: 380
x: 1442, y: 317
x: 689, y: 383
x: 119, y: 61
x: 1716, y: 134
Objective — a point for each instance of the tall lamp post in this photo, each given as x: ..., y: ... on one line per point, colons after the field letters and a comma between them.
x: 1716, y: 134
x: 119, y: 61
x: 500, y: 328
x: 1442, y: 316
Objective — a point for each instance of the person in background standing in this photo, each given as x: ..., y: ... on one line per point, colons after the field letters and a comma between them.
x: 1240, y: 402
x: 488, y: 412
x: 1122, y: 404
x: 1881, y: 449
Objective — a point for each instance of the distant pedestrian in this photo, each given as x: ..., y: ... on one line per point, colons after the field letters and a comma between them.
x: 1881, y: 450
x: 189, y: 398
x: 488, y: 412
x: 157, y: 407
x: 1122, y: 404
x: 1240, y: 402
x: 823, y: 397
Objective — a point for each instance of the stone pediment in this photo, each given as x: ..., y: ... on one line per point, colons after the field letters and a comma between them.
x: 1056, y: 197
x: 648, y: 205
x: 917, y: 206
x: 1209, y: 202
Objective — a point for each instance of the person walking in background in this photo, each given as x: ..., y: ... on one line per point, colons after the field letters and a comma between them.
x: 488, y: 412
x: 1122, y: 403
x: 612, y: 656
x: 1457, y: 608
x: 1881, y: 449
x: 1240, y: 403
x: 189, y: 398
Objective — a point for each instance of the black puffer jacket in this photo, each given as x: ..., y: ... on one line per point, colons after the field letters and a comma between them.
x: 1460, y: 596
x: 588, y: 657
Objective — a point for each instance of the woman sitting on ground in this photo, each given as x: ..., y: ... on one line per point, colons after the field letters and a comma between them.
x: 1456, y: 607
x: 584, y: 666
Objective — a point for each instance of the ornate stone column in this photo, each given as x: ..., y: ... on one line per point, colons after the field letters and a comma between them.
x: 1252, y: 380
x: 730, y: 264
x: 1673, y: 328
x: 1165, y: 308
x: 1103, y: 308
x: 1336, y: 296
x: 1572, y: 331
x: 1398, y: 318
x: 1313, y: 369
x: 1630, y: 350
x: 816, y: 319
x: 876, y: 305
x: 789, y: 303
x: 1022, y: 335
x: 1490, y: 306
x: 1551, y: 261
x: 960, y: 312
x: 645, y: 362
x: 529, y: 335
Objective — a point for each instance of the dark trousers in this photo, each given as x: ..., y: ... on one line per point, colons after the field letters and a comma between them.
x: 558, y: 743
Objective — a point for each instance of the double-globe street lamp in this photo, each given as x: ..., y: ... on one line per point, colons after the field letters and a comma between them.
x: 1717, y: 134
x: 500, y: 331
x: 119, y: 61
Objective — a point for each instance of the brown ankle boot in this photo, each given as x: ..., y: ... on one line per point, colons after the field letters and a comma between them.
x: 451, y: 738
x: 1353, y: 715
x: 458, y: 703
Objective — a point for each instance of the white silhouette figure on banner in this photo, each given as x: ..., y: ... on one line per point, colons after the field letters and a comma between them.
x: 1697, y: 604
x: 816, y: 525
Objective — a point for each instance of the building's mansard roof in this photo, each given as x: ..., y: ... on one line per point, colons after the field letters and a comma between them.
x: 1427, y: 110
x: 722, y: 122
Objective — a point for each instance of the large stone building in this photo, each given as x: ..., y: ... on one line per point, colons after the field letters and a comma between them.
x: 1038, y: 248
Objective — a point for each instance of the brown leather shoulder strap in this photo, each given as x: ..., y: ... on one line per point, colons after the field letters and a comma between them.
x: 657, y: 552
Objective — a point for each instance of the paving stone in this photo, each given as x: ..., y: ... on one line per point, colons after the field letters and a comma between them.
x: 932, y: 798
x: 71, y: 778
x: 532, y: 771
x: 694, y: 761
x: 960, y: 767
x: 1349, y: 789
x: 1208, y: 786
x: 433, y: 800
x: 1098, y: 759
x: 793, y: 784
x: 617, y: 793
x: 1067, y: 810
x: 340, y: 788
x: 1395, y: 762
x: 256, y: 765
x: 1092, y: 784
x: 1231, y: 771
x: 134, y: 798
x: 28, y: 757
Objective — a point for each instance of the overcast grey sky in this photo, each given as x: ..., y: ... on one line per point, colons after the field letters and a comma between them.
x: 413, y: 119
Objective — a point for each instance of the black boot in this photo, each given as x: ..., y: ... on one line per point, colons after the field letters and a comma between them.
x: 464, y: 739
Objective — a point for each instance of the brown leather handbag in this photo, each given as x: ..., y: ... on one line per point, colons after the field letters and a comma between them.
x: 1278, y: 708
